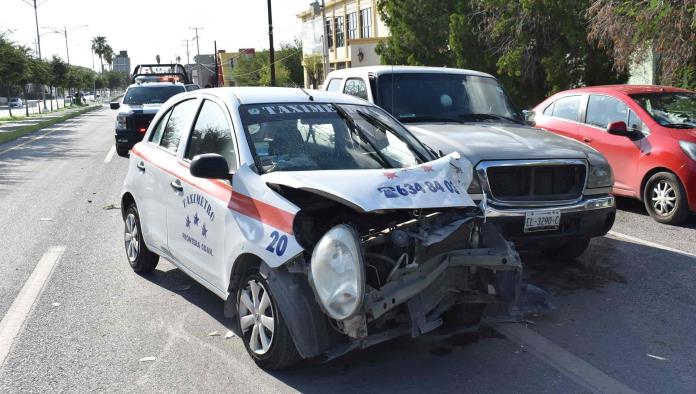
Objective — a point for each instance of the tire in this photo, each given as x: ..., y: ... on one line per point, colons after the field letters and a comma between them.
x: 140, y: 258
x: 122, y: 150
x: 255, y: 320
x: 569, y: 251
x: 665, y: 199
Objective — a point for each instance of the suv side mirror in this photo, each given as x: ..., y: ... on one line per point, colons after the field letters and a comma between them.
x: 620, y: 128
x: 210, y: 165
x: 115, y: 105
x: 529, y: 117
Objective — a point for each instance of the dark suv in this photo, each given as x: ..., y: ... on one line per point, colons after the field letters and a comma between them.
x: 153, y: 84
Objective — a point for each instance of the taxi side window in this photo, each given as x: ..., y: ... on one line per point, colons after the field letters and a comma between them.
x: 156, y: 135
x: 179, y: 119
x: 212, y: 134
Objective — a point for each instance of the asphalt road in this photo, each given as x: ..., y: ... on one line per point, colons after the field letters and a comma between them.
x: 624, y: 315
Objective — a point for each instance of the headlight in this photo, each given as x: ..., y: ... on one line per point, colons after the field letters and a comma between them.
x: 600, y: 172
x: 689, y: 148
x: 121, y: 121
x: 337, y: 272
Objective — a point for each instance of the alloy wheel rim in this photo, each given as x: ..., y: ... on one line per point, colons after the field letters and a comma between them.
x: 131, y: 238
x: 664, y: 198
x: 256, y: 314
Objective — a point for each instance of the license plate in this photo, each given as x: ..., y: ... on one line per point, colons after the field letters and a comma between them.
x: 542, y: 220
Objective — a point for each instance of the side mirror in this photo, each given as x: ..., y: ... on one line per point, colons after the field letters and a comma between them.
x: 529, y: 117
x: 115, y: 105
x: 210, y: 165
x: 620, y: 128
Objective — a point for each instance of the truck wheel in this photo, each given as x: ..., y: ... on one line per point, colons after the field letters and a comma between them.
x: 265, y: 335
x: 665, y: 199
x: 140, y: 258
x: 568, y: 251
x: 122, y: 150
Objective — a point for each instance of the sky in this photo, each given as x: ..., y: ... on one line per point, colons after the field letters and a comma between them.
x: 146, y: 28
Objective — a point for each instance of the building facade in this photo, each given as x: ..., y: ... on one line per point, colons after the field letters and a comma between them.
x: 228, y: 61
x: 121, y: 63
x: 353, y: 29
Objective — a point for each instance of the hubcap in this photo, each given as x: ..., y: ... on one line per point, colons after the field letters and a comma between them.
x: 663, y: 198
x: 256, y: 314
x: 131, y: 238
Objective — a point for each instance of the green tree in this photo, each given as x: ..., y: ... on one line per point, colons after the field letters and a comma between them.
x: 290, y: 54
x: 314, y: 64
x: 629, y: 30
x: 99, y: 46
x: 255, y: 71
x: 14, y: 66
x: 59, y: 73
x: 108, y: 55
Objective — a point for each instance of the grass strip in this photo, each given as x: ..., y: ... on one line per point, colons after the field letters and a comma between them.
x: 13, y: 135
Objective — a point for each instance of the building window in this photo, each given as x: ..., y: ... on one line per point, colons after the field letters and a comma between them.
x: 340, y: 32
x: 352, y: 26
x: 366, y: 22
x: 231, y: 63
x: 329, y: 34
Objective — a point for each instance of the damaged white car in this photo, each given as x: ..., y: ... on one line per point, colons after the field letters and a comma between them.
x: 323, y: 224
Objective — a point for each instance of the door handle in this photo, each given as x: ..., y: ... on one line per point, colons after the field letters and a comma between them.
x: 141, y: 166
x: 176, y: 185
x: 587, y: 139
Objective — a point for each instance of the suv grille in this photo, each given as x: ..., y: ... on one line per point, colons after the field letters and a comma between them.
x: 537, y: 182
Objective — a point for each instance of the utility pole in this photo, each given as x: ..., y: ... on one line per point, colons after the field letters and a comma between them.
x: 198, y: 51
x: 188, y: 59
x: 67, y: 50
x: 325, y: 42
x: 217, y: 70
x: 270, y: 43
x: 38, y: 44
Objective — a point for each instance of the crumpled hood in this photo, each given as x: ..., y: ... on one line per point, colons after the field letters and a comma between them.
x: 437, y: 184
x: 497, y: 141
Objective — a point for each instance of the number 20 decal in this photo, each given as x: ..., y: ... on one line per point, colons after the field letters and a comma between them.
x: 278, y: 244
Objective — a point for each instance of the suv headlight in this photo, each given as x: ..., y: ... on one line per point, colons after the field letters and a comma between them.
x: 600, y: 172
x: 337, y: 273
x: 121, y: 121
x: 689, y: 148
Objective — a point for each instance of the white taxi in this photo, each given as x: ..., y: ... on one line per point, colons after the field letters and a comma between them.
x: 323, y: 224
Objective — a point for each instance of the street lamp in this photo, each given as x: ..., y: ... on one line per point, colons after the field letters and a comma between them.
x: 64, y: 32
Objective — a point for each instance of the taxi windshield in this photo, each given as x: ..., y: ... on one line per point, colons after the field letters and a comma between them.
x: 139, y: 95
x: 324, y: 136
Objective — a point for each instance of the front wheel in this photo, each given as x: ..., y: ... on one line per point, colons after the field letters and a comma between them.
x: 140, y: 258
x: 665, y: 199
x: 264, y: 332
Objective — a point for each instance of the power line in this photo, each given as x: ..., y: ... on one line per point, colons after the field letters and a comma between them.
x: 292, y: 53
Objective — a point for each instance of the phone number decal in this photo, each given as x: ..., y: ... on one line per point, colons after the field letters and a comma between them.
x: 407, y: 189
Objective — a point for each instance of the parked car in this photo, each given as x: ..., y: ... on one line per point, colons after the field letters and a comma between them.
x: 323, y: 223
x: 16, y: 102
x: 153, y: 84
x: 544, y: 192
x: 648, y: 134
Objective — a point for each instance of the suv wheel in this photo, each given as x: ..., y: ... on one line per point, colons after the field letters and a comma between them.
x: 665, y: 199
x: 140, y: 258
x: 265, y: 335
x: 122, y: 150
x: 568, y: 251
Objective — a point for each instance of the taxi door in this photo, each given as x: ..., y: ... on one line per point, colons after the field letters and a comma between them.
x: 196, y: 219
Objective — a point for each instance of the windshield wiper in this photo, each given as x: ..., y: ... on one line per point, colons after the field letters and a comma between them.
x: 361, y: 134
x: 489, y: 116
x: 680, y: 125
x: 427, y: 118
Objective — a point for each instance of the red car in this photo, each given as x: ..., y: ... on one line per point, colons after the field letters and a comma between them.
x: 648, y: 134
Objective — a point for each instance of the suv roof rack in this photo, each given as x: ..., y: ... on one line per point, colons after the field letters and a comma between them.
x: 175, y: 72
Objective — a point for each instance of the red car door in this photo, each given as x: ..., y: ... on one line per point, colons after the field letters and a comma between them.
x: 622, y: 152
x: 561, y: 116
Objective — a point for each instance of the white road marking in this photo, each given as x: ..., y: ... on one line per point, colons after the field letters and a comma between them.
x: 578, y: 370
x: 12, y: 323
x: 110, y: 154
x: 651, y: 244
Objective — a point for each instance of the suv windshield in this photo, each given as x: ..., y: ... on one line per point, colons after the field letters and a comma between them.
x: 433, y: 97
x: 323, y: 136
x: 676, y: 109
x: 139, y: 95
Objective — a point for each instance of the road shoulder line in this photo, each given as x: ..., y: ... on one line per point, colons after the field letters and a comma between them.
x: 110, y: 154
x: 573, y: 367
x: 13, y: 321
x: 651, y: 244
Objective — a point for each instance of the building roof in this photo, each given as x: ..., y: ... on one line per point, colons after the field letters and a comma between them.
x: 378, y: 70
x: 261, y: 95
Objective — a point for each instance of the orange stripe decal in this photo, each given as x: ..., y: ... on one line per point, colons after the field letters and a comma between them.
x: 247, y: 206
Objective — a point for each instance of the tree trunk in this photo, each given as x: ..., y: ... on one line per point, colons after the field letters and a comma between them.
x: 26, y: 102
x: 51, y: 98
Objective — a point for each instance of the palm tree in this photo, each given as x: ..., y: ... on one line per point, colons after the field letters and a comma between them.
x: 108, y: 55
x: 99, y: 46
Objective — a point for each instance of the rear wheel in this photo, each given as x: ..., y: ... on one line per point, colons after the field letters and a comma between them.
x: 140, y: 258
x: 569, y: 251
x: 265, y: 335
x: 665, y: 199
x: 122, y: 150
